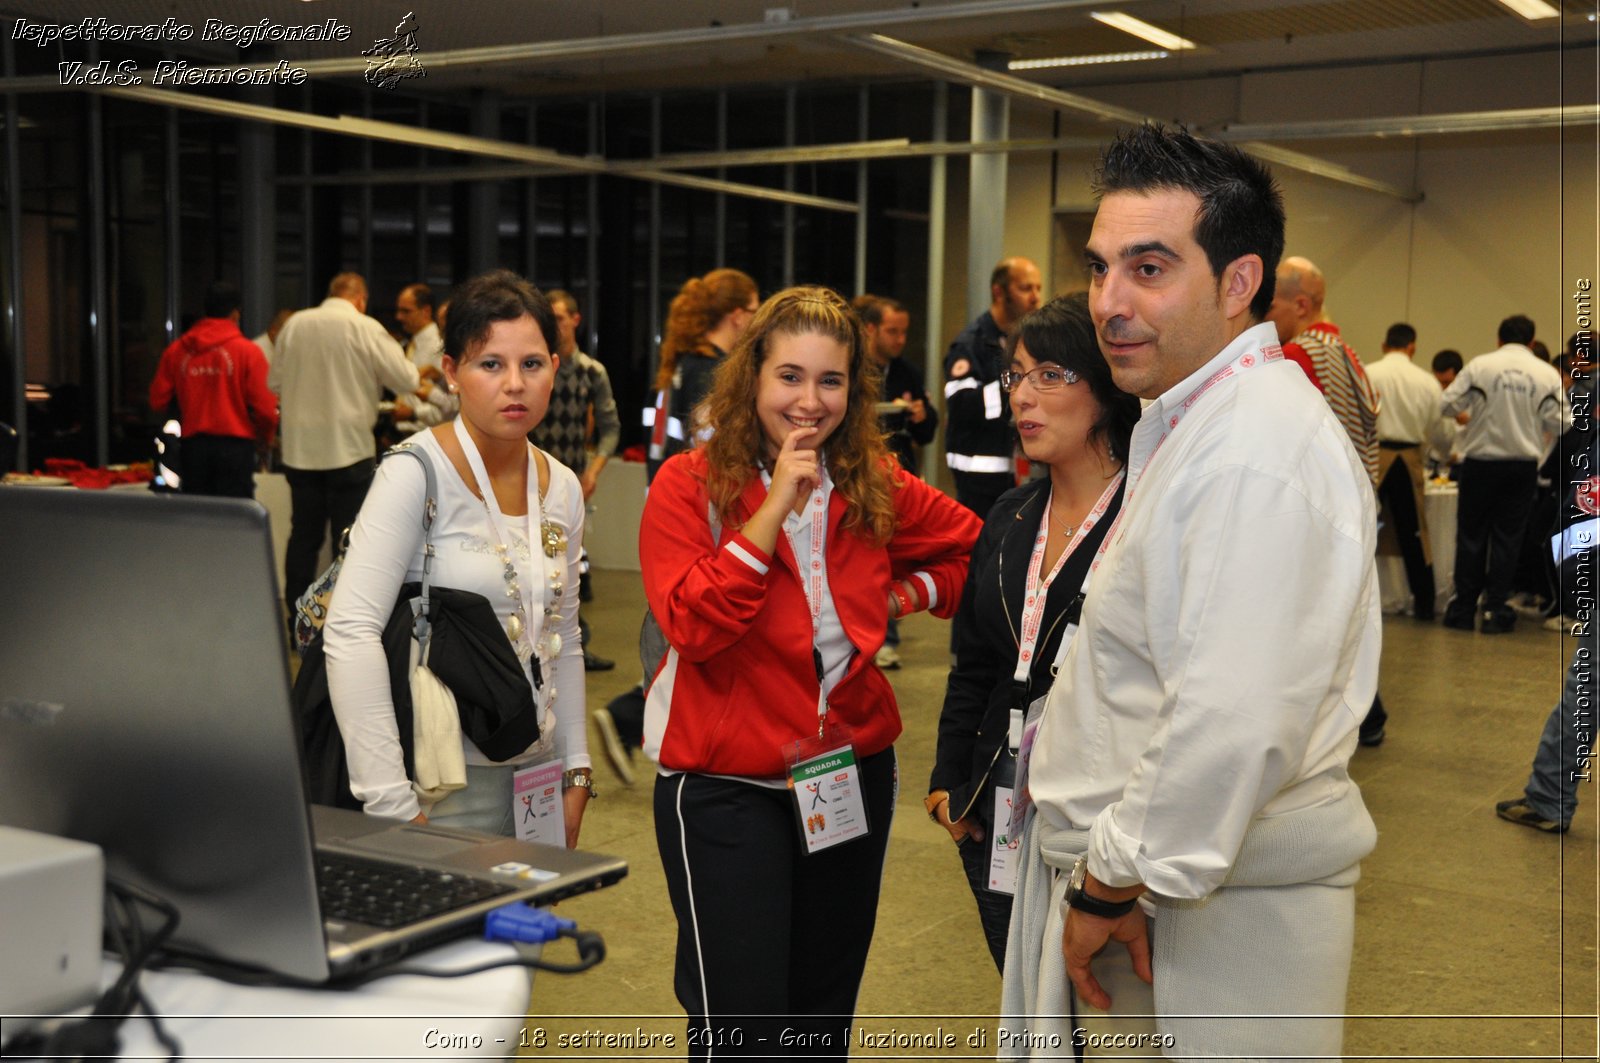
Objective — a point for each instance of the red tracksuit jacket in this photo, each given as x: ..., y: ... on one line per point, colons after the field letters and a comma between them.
x: 739, y: 683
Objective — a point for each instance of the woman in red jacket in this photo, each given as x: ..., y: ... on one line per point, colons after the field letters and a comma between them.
x: 773, y: 556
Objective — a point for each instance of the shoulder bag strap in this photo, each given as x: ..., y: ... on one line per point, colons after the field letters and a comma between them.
x: 430, y: 508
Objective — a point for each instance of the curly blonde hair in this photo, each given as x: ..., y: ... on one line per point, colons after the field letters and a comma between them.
x: 858, y: 461
x: 695, y: 311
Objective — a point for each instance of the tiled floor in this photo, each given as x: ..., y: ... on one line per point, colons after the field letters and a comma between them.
x: 1473, y: 935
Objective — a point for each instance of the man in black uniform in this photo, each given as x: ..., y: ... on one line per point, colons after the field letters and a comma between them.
x: 977, y: 440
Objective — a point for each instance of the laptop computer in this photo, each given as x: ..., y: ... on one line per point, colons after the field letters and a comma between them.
x: 144, y: 706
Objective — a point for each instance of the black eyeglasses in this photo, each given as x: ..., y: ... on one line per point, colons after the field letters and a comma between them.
x: 1045, y: 377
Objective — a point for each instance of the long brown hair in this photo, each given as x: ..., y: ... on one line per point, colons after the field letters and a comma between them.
x: 857, y: 459
x: 695, y: 311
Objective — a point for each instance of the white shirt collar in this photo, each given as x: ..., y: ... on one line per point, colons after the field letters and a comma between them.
x: 1153, y: 421
x: 1256, y: 336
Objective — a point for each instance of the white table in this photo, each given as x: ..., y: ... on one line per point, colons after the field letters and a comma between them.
x: 398, y: 1018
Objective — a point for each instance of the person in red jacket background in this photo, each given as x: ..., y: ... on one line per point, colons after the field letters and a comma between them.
x: 220, y: 381
x: 773, y: 556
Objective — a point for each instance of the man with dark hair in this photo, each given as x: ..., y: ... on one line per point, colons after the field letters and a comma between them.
x: 1514, y: 405
x: 912, y: 424
x: 1408, y: 421
x: 431, y: 403
x: 219, y: 379
x: 977, y: 438
x: 582, y: 390
x: 1446, y: 364
x: 1400, y: 337
x: 1191, y: 763
x: 887, y: 323
x: 332, y: 366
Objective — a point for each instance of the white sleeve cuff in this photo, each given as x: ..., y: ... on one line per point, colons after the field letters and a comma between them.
x: 391, y: 801
x: 746, y: 556
x: 927, y: 584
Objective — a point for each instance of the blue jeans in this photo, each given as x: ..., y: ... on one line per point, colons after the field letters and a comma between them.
x: 1567, y: 743
x: 485, y: 805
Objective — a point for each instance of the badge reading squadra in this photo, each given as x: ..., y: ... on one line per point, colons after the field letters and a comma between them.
x: 554, y: 538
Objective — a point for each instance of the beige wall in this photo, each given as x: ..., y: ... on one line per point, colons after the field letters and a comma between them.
x: 1507, y: 225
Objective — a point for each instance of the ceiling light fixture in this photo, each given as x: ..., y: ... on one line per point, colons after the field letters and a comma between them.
x: 1084, y: 60
x: 1145, y: 31
x: 1532, y: 10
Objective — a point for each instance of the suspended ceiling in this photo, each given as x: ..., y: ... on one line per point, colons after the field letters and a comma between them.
x: 738, y: 45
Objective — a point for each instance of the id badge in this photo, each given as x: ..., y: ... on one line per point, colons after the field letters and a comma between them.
x: 1003, y: 846
x: 1024, y: 800
x: 536, y: 805
x: 826, y: 783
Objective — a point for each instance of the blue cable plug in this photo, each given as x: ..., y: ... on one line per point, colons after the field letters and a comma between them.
x: 517, y: 922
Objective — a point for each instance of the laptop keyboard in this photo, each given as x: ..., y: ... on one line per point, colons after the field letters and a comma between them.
x: 393, y: 895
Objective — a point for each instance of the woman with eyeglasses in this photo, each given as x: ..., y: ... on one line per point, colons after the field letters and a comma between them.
x: 1024, y: 589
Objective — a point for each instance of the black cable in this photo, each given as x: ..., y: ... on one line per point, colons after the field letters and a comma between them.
x: 96, y: 1036
x: 157, y: 1028
x: 591, y: 950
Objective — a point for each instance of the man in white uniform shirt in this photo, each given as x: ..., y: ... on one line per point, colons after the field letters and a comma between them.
x: 1189, y: 771
x: 430, y: 404
x: 1515, y: 409
x: 332, y: 364
x: 1409, y: 425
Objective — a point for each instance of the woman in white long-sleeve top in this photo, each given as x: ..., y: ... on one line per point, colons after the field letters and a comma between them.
x: 509, y: 526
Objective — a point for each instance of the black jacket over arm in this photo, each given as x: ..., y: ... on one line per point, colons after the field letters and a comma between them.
x: 978, y: 697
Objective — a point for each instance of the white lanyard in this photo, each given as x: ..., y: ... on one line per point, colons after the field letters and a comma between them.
x: 811, y: 574
x: 1248, y: 360
x: 1036, y: 592
x: 499, y: 523
x: 811, y: 566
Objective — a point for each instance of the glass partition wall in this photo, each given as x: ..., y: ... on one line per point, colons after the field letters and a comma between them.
x: 116, y: 214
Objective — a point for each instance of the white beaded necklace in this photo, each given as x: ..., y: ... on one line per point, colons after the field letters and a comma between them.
x: 553, y: 541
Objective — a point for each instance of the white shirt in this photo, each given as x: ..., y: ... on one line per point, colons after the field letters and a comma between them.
x: 1515, y: 400
x: 1229, y: 645
x: 426, y: 349
x: 386, y: 551
x: 331, y: 367
x: 264, y: 341
x: 1409, y: 412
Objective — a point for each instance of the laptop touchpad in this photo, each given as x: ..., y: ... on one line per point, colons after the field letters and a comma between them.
x: 411, y: 842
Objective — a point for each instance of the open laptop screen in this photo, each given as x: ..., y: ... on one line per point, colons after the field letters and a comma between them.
x: 144, y: 702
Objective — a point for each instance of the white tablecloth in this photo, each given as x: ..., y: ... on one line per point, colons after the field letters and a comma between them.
x: 1439, y: 500
x: 397, y: 1018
